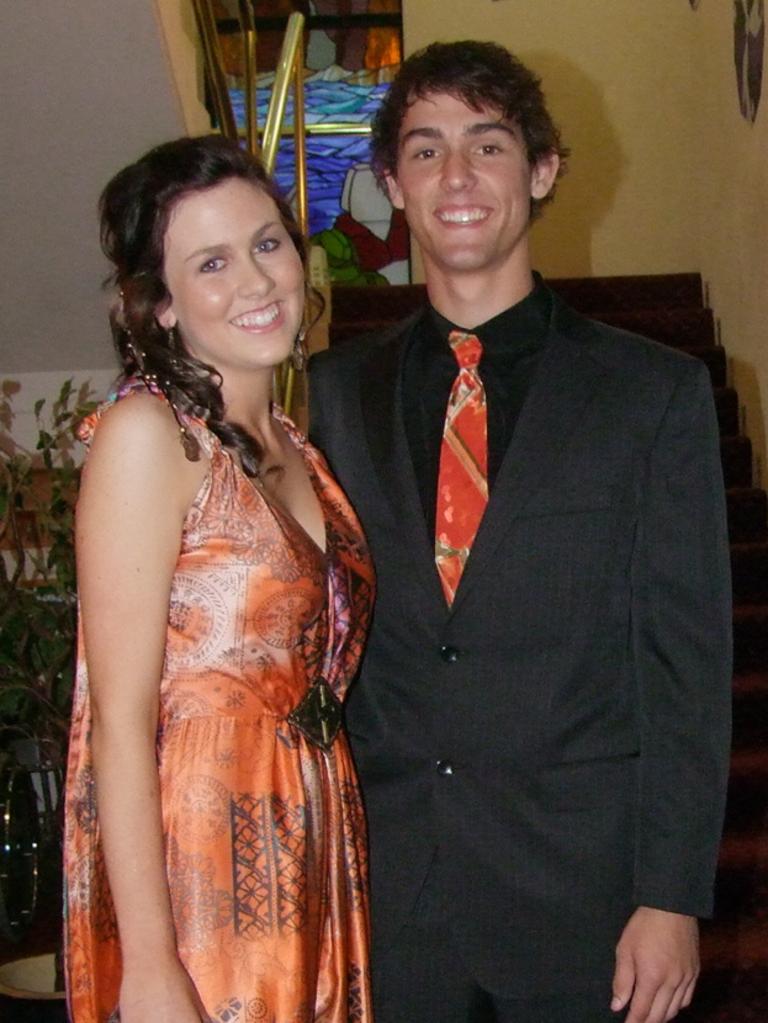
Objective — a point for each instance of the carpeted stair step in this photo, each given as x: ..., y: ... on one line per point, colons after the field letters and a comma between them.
x: 747, y: 809
x: 747, y: 514
x: 729, y: 989
x: 750, y: 712
x: 715, y: 361
x: 340, y: 331
x: 678, y: 327
x: 749, y: 566
x: 646, y: 291
x: 727, y: 406
x: 739, y: 852
x: 590, y: 295
x: 357, y: 305
x: 736, y: 456
x: 750, y: 641
x: 741, y: 889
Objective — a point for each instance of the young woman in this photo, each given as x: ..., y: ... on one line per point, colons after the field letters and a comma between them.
x: 215, y: 856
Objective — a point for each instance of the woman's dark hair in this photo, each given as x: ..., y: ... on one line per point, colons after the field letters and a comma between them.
x: 480, y: 74
x: 135, y: 210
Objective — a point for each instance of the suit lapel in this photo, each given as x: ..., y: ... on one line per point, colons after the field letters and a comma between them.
x: 381, y: 400
x: 566, y: 383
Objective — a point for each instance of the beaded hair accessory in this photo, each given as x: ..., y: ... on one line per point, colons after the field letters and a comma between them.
x: 188, y: 442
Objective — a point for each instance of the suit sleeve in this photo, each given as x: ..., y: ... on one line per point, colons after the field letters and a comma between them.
x: 682, y: 628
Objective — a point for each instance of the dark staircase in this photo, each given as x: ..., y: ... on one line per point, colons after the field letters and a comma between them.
x: 670, y: 309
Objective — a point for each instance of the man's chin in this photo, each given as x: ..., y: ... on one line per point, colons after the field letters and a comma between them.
x: 460, y: 260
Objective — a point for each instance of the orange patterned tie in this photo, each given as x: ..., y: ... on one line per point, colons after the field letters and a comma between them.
x: 462, y: 482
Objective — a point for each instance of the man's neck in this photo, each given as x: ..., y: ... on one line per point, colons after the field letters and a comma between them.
x: 471, y: 299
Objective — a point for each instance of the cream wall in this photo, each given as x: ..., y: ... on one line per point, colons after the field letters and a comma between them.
x: 617, y: 76
x: 732, y: 199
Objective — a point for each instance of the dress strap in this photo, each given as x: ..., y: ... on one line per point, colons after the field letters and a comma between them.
x: 195, y: 435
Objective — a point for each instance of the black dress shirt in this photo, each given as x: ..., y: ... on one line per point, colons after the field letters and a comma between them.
x: 512, y: 345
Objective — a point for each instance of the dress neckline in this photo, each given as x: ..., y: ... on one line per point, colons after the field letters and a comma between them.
x: 298, y: 441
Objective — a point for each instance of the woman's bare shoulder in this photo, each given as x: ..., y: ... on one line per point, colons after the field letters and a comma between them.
x: 139, y: 437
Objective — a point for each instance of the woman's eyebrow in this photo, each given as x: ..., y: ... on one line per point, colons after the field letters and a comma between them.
x: 218, y: 248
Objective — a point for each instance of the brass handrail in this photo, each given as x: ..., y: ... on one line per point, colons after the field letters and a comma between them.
x: 214, y: 67
x: 285, y: 76
x: 331, y: 128
x: 290, y: 71
x: 248, y: 32
x: 300, y: 142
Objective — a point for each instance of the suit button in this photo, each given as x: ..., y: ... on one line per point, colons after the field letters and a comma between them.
x: 444, y: 767
x: 450, y: 654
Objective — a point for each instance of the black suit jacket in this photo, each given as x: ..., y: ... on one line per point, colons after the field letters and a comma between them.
x: 561, y: 733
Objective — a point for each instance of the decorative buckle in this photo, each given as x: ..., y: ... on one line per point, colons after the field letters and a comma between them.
x: 318, y: 716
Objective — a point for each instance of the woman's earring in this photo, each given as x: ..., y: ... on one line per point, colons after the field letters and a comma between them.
x: 299, y: 353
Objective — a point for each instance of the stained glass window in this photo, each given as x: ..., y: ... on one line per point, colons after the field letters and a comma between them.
x: 353, y: 50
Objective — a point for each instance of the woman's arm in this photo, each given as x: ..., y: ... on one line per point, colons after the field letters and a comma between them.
x: 137, y: 487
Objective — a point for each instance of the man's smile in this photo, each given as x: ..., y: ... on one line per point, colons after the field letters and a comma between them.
x: 462, y: 214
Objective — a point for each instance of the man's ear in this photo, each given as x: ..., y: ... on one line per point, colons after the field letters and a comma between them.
x: 394, y: 192
x: 543, y: 174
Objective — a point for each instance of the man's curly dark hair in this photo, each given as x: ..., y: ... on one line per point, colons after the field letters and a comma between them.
x: 480, y: 74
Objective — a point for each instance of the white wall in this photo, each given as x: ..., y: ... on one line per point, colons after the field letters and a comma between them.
x: 86, y: 87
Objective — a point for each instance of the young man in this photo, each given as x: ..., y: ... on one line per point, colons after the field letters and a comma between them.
x: 541, y: 722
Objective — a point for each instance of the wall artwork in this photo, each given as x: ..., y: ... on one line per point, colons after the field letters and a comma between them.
x: 351, y: 57
x: 749, y: 47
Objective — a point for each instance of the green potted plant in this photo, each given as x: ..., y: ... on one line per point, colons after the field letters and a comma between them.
x: 38, y: 627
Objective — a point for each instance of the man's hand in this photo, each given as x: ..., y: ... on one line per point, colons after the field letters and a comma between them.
x: 657, y: 965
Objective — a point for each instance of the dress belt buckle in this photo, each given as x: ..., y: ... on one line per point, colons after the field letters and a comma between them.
x: 318, y: 715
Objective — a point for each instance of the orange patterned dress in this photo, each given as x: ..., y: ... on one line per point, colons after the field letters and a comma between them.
x: 264, y: 830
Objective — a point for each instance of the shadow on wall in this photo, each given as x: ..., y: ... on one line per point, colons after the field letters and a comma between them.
x: 562, y: 240
x: 744, y: 377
